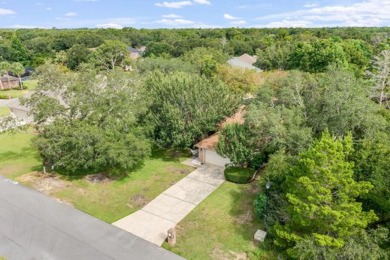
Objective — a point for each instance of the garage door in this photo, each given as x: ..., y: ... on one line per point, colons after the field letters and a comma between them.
x: 211, y: 157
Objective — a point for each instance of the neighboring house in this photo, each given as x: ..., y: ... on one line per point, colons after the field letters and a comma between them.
x: 8, y: 82
x: 136, y: 53
x: 207, y: 147
x: 245, y: 61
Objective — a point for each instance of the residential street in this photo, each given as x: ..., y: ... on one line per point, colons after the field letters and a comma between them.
x: 33, y: 226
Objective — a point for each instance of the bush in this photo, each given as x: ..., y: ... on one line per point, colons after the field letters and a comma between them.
x: 239, y: 175
x: 4, y: 96
x: 259, y: 205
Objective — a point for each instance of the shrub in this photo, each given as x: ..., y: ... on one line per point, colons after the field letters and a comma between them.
x: 239, y: 175
x: 259, y: 204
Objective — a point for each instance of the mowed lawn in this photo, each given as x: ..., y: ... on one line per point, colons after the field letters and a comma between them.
x: 17, y: 156
x: 112, y: 200
x: 108, y: 200
x: 221, y: 227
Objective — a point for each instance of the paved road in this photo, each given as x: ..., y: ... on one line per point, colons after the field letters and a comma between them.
x: 169, y: 208
x: 33, y: 226
x: 20, y: 112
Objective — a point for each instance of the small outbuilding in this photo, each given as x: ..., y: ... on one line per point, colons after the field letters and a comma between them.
x: 9, y: 82
x: 207, y: 153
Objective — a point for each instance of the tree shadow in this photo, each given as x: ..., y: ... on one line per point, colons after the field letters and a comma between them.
x: 24, y: 152
x: 243, y: 212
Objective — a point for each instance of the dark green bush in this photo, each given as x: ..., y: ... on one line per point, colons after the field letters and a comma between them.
x: 238, y: 174
x: 259, y: 205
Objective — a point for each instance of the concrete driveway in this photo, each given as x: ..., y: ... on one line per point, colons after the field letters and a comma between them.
x: 169, y: 208
x: 33, y: 226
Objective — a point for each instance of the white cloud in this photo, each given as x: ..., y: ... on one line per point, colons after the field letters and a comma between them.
x: 175, y: 5
x: 20, y: 26
x: 310, y: 5
x: 364, y: 13
x: 171, y: 16
x: 230, y: 17
x: 286, y: 24
x: 6, y: 11
x: 202, y: 2
x: 71, y: 14
x: 175, y: 22
x: 109, y: 25
x: 86, y: 0
x: 238, y: 22
x: 48, y: 8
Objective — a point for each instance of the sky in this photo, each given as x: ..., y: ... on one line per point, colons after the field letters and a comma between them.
x: 192, y: 13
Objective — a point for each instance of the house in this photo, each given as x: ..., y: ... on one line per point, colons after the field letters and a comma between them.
x: 245, y: 61
x: 207, y: 153
x: 136, y: 53
x: 9, y: 82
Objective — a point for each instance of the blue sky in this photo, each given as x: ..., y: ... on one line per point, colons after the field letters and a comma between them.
x: 192, y: 13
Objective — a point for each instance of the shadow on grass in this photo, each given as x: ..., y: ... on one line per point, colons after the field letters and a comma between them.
x: 242, y: 211
x: 169, y: 154
x: 25, y: 152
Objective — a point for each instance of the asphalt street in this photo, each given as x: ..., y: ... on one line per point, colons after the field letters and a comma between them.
x: 34, y: 226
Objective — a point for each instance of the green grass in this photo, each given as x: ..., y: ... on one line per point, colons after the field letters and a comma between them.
x: 112, y: 200
x: 16, y: 93
x: 4, y: 111
x: 17, y: 157
x: 238, y: 174
x: 221, y: 227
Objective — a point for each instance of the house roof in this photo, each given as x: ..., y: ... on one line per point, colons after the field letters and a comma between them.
x: 208, y: 143
x: 134, y: 50
x: 212, y: 141
x: 8, y: 78
x: 248, y: 58
x: 238, y: 63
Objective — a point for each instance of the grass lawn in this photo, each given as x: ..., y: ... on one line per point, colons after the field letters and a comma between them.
x: 110, y: 200
x: 221, y: 227
x: 16, y: 93
x: 4, y: 111
x: 17, y: 157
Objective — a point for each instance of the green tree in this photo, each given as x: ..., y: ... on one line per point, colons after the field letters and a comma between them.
x: 234, y: 143
x: 381, y: 77
x: 87, y: 122
x: 19, y: 51
x: 186, y: 107
x: 17, y: 69
x: 110, y: 54
x: 205, y: 60
x: 321, y: 195
x: 76, y: 55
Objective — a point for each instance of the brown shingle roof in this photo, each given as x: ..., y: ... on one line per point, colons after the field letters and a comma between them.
x: 212, y: 141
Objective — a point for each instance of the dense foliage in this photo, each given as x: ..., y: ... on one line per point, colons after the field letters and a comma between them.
x: 186, y: 107
x: 321, y: 127
x: 87, y: 122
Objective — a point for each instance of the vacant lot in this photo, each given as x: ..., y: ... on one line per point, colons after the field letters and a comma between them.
x: 221, y: 227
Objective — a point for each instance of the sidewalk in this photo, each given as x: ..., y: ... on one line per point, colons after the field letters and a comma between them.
x: 169, y: 208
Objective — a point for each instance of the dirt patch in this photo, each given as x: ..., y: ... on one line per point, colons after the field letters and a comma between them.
x: 45, y: 183
x: 176, y: 170
x: 245, y: 218
x: 254, y: 188
x: 98, y: 178
x: 219, y: 254
x: 137, y: 201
